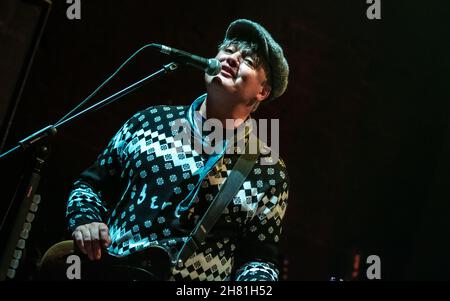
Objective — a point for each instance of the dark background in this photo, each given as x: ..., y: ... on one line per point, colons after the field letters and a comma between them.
x: 364, y: 122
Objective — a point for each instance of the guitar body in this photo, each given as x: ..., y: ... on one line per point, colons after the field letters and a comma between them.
x: 152, y: 264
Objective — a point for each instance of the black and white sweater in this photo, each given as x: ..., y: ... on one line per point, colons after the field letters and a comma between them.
x: 143, y: 174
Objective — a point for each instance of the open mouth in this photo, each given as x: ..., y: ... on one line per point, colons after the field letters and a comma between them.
x: 227, y: 71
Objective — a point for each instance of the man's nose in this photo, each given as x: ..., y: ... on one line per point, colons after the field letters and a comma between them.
x: 233, y: 59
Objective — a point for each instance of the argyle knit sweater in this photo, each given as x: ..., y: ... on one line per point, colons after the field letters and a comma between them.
x: 138, y: 181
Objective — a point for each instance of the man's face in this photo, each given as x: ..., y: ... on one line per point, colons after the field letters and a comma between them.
x: 240, y: 77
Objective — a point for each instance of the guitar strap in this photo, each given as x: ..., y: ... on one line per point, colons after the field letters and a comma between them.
x: 227, y: 192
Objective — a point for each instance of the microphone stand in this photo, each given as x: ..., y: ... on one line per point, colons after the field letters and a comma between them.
x: 15, y: 243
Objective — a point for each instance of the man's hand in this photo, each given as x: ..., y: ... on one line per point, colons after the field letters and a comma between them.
x: 91, y: 238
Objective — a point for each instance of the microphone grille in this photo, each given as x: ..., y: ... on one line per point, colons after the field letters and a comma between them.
x: 214, y: 67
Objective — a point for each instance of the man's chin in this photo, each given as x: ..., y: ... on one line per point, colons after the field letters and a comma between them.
x: 214, y: 82
x: 209, y: 78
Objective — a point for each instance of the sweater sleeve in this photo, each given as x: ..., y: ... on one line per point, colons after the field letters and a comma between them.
x: 258, y: 253
x: 98, y: 187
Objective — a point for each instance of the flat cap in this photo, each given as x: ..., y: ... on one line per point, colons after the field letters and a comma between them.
x: 246, y: 30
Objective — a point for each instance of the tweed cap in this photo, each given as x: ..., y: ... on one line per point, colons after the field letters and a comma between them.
x: 246, y: 30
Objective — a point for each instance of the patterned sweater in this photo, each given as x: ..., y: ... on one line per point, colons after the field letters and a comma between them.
x: 139, y: 180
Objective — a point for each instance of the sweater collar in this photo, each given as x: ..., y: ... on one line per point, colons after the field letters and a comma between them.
x: 196, y: 117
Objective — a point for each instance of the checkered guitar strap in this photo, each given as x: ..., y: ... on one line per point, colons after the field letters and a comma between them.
x: 227, y: 192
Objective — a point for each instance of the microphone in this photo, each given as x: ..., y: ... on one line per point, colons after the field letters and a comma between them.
x: 209, y: 66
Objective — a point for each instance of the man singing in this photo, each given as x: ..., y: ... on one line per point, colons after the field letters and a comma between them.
x: 147, y: 189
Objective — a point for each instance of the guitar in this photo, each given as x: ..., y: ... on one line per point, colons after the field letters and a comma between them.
x: 152, y: 264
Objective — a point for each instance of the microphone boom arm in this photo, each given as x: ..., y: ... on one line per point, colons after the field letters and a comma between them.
x: 52, y: 129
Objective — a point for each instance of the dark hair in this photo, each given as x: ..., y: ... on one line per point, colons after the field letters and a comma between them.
x: 251, y: 49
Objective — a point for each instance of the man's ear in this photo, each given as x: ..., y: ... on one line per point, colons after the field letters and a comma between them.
x: 264, y: 93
